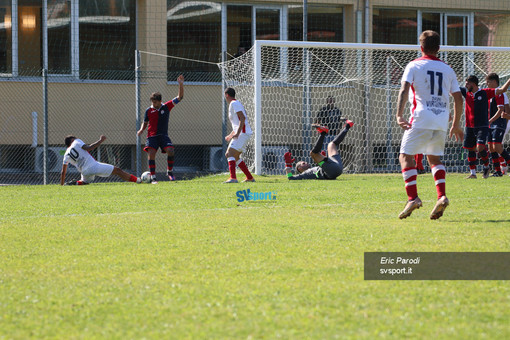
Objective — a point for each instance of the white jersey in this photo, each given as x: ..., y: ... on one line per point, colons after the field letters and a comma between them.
x: 78, y: 157
x: 431, y: 81
x: 234, y: 107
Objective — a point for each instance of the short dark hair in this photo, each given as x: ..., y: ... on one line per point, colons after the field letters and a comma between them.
x: 493, y: 76
x: 472, y: 79
x: 156, y: 96
x: 69, y: 140
x: 429, y: 41
x: 231, y: 92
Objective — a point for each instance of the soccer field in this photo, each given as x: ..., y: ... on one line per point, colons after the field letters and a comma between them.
x: 188, y: 260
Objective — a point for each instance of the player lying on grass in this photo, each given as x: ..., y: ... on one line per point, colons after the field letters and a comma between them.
x: 329, y: 167
x: 77, y: 154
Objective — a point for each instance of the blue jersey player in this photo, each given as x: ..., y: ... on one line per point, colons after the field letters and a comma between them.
x: 156, y: 119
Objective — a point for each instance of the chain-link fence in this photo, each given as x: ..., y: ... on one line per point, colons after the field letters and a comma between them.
x: 36, y: 119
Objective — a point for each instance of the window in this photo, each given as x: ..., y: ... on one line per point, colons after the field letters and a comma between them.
x: 194, y: 33
x: 85, y: 38
x: 59, y: 37
x: 490, y: 29
x: 107, y: 39
x: 5, y: 37
x: 395, y: 26
x: 239, y: 29
x: 325, y: 23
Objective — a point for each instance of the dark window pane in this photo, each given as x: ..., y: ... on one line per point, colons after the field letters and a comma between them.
x: 324, y: 23
x: 238, y: 29
x: 194, y: 33
x: 29, y: 38
x: 59, y: 37
x: 5, y: 37
x: 490, y: 29
x: 107, y: 39
x: 393, y: 26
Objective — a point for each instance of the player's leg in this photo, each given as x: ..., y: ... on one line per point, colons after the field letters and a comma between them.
x: 151, y: 147
x: 125, y: 176
x: 494, y: 152
x: 439, y: 173
x: 151, y: 158
x: 434, y: 151
x: 84, y: 180
x: 412, y: 143
x: 332, y: 165
x: 497, y: 139
x: 237, y: 147
x: 333, y: 146
x: 482, y: 149
x: 316, y: 150
x: 244, y: 168
x: 232, y: 156
x: 470, y: 145
x: 168, y: 148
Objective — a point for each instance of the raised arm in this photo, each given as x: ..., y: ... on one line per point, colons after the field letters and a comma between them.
x: 503, y: 89
x: 180, y: 80
x: 94, y: 145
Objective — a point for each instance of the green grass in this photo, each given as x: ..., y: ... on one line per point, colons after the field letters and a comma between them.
x: 187, y: 260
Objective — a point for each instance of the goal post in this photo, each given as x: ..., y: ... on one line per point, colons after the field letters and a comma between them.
x: 286, y: 85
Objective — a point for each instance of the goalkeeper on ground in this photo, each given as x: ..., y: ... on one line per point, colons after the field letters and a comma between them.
x: 329, y: 167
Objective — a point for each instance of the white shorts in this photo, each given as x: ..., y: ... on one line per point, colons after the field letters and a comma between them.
x: 97, y: 169
x: 425, y: 141
x: 240, y: 142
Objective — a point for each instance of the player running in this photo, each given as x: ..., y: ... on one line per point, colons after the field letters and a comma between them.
x: 77, y: 154
x: 329, y: 167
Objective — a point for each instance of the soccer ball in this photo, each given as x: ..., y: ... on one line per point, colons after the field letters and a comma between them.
x: 146, y: 177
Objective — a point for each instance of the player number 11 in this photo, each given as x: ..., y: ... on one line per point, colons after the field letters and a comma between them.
x: 439, y: 82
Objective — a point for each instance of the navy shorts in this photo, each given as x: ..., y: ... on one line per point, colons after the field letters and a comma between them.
x: 474, y: 136
x: 496, y: 136
x: 159, y: 141
x: 333, y: 166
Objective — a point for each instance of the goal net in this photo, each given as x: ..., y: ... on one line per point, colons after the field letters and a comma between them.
x: 287, y: 86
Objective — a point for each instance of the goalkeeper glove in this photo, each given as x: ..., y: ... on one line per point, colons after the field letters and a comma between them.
x: 288, y: 159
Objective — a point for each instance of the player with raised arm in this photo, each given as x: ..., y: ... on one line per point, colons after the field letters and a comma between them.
x: 156, y: 119
x: 328, y: 167
x: 477, y: 121
x: 78, y: 154
x: 238, y: 138
x: 498, y: 125
x: 431, y: 81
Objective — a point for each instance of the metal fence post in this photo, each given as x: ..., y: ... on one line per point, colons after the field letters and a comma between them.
x: 137, y: 108
x: 45, y: 126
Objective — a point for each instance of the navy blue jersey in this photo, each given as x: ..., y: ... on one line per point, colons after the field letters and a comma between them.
x: 499, y: 123
x: 158, y: 118
x: 477, y: 106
